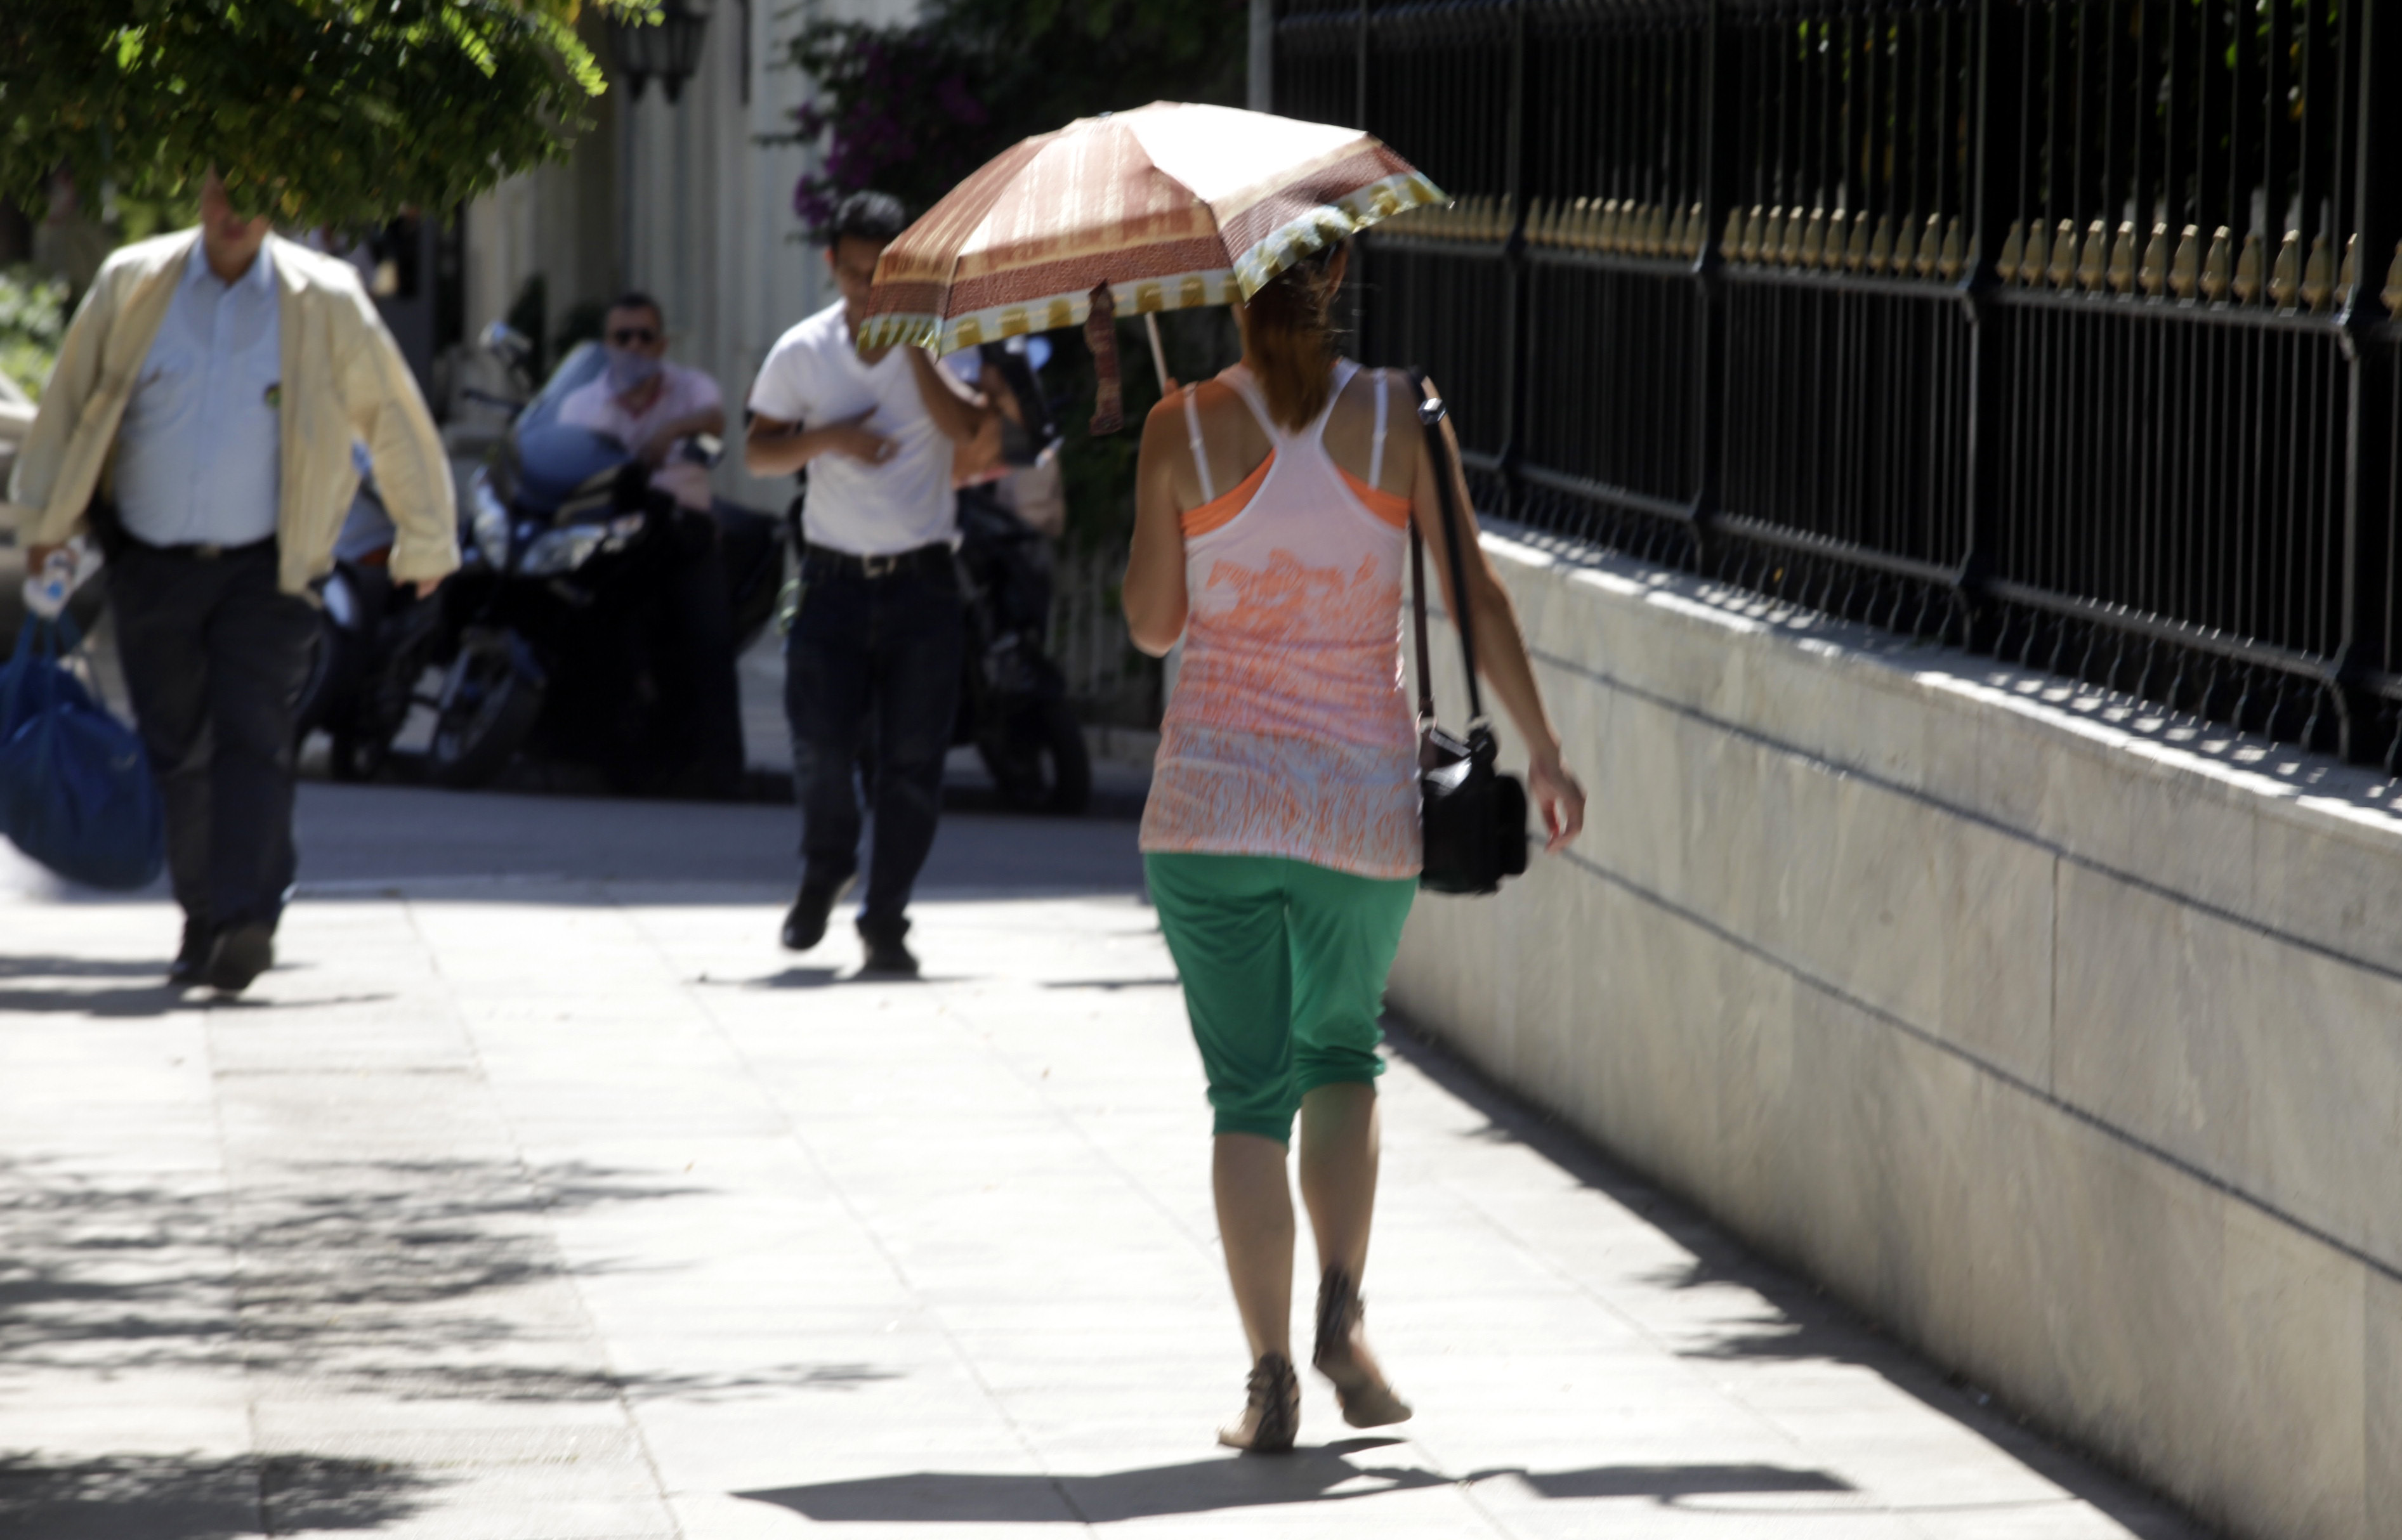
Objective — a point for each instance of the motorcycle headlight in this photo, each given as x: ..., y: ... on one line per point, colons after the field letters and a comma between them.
x: 556, y: 551
x: 489, y: 518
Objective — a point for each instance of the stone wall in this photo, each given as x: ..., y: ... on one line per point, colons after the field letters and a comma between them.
x: 2067, y: 1045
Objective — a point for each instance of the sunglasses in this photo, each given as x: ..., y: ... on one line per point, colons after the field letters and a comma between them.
x: 633, y: 336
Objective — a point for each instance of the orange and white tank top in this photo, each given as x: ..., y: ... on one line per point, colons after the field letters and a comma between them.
x: 1290, y: 730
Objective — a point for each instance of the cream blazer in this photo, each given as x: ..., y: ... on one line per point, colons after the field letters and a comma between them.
x: 343, y: 379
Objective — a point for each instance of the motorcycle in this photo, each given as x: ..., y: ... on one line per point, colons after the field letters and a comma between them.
x: 1014, y: 704
x: 375, y: 640
x: 552, y: 621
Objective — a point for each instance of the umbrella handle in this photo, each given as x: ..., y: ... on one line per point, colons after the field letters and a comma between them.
x: 1158, y: 353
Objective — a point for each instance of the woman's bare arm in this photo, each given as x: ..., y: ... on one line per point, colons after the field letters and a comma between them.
x: 1501, y: 643
x: 1153, y: 590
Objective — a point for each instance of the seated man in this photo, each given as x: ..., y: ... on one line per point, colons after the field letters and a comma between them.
x: 648, y: 405
x: 654, y: 408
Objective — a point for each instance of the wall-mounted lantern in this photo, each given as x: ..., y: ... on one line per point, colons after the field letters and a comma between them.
x: 670, y: 51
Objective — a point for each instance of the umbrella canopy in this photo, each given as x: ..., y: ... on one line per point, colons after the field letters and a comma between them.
x: 1162, y: 208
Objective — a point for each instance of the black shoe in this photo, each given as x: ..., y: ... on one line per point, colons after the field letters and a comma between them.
x: 805, y: 923
x: 887, y: 956
x: 239, y: 955
x: 192, y: 959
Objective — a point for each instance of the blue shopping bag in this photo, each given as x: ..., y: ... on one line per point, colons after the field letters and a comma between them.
x: 75, y: 792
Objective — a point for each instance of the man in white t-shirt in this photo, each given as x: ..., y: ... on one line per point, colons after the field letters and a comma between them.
x: 879, y: 630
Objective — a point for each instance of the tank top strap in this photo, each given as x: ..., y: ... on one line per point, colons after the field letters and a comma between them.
x: 1345, y: 372
x: 1200, y: 453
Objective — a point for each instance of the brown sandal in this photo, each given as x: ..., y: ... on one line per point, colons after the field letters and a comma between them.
x: 1273, y: 1416
x: 1367, y: 1401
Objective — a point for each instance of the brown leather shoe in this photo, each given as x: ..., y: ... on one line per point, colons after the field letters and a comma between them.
x: 1366, y: 1399
x: 1273, y: 1414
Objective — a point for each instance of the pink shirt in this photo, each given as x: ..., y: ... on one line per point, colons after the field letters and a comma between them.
x: 681, y: 392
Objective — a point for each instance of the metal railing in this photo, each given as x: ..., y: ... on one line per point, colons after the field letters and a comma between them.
x: 2061, y: 330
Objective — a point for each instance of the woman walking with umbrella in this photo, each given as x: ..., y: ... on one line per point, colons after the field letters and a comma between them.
x: 1281, y: 837
x: 1273, y: 514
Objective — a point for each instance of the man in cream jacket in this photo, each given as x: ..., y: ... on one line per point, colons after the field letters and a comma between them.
x: 201, y: 422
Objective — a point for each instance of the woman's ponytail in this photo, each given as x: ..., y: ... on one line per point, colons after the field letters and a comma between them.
x: 1290, y: 326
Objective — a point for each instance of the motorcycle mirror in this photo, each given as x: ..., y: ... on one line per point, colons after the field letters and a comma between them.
x: 506, y: 343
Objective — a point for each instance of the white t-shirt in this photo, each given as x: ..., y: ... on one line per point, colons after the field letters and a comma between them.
x: 815, y: 376
x: 683, y: 392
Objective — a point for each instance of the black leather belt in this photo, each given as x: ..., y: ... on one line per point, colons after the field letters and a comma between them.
x: 925, y: 559
x: 203, y: 550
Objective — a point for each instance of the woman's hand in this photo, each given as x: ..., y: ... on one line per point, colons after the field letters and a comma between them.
x: 1557, y: 794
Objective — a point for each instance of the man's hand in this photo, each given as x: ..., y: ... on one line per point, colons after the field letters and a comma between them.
x: 425, y: 587
x: 851, y: 438
x: 38, y: 557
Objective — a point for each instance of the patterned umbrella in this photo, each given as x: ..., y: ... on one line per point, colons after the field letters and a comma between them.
x: 1162, y: 208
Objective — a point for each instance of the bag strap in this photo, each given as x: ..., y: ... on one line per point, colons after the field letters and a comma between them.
x: 1431, y: 416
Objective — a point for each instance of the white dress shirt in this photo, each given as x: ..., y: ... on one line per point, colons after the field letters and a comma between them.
x: 200, y: 455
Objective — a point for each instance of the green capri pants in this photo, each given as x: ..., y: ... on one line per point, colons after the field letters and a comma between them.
x: 1284, y: 967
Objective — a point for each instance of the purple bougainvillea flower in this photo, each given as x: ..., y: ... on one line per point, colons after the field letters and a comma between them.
x: 955, y: 98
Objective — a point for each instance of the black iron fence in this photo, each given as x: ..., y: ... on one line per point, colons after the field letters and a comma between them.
x: 2057, y: 329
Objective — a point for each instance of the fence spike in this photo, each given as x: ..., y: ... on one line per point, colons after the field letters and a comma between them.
x: 2393, y: 291
x: 2122, y: 259
x: 2006, y: 265
x: 2095, y: 257
x: 1656, y: 238
x: 1930, y: 245
x: 1789, y: 246
x: 2318, y: 279
x: 1750, y: 249
x: 2286, y: 279
x: 1731, y: 243
x: 1953, y: 254
x: 2038, y: 256
x: 2064, y: 254
x: 2215, y: 282
x: 2154, y: 272
x: 1694, y: 231
x: 2347, y: 277
x: 1881, y: 252
x: 2247, y: 270
x: 1855, y: 245
x: 2185, y: 274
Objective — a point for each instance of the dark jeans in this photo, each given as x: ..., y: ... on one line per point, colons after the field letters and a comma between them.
x: 886, y: 648
x: 215, y: 655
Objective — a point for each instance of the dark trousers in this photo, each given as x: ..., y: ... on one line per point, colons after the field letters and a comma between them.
x: 215, y: 655
x: 885, y: 649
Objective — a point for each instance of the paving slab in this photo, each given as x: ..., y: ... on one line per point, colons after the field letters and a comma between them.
x: 537, y: 1195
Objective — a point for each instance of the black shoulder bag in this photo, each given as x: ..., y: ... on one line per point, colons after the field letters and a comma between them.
x: 1474, y: 818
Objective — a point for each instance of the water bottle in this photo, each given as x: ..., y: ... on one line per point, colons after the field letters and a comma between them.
x: 46, y: 591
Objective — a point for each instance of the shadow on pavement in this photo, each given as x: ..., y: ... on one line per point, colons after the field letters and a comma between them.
x: 158, y: 999
x: 362, y: 1275
x: 172, y: 1497
x: 1210, y: 1486
x: 1801, y: 1323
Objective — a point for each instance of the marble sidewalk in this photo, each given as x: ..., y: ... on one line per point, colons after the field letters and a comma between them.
x: 538, y: 1196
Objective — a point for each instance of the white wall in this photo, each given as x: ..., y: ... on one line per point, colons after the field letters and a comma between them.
x: 2071, y: 1053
